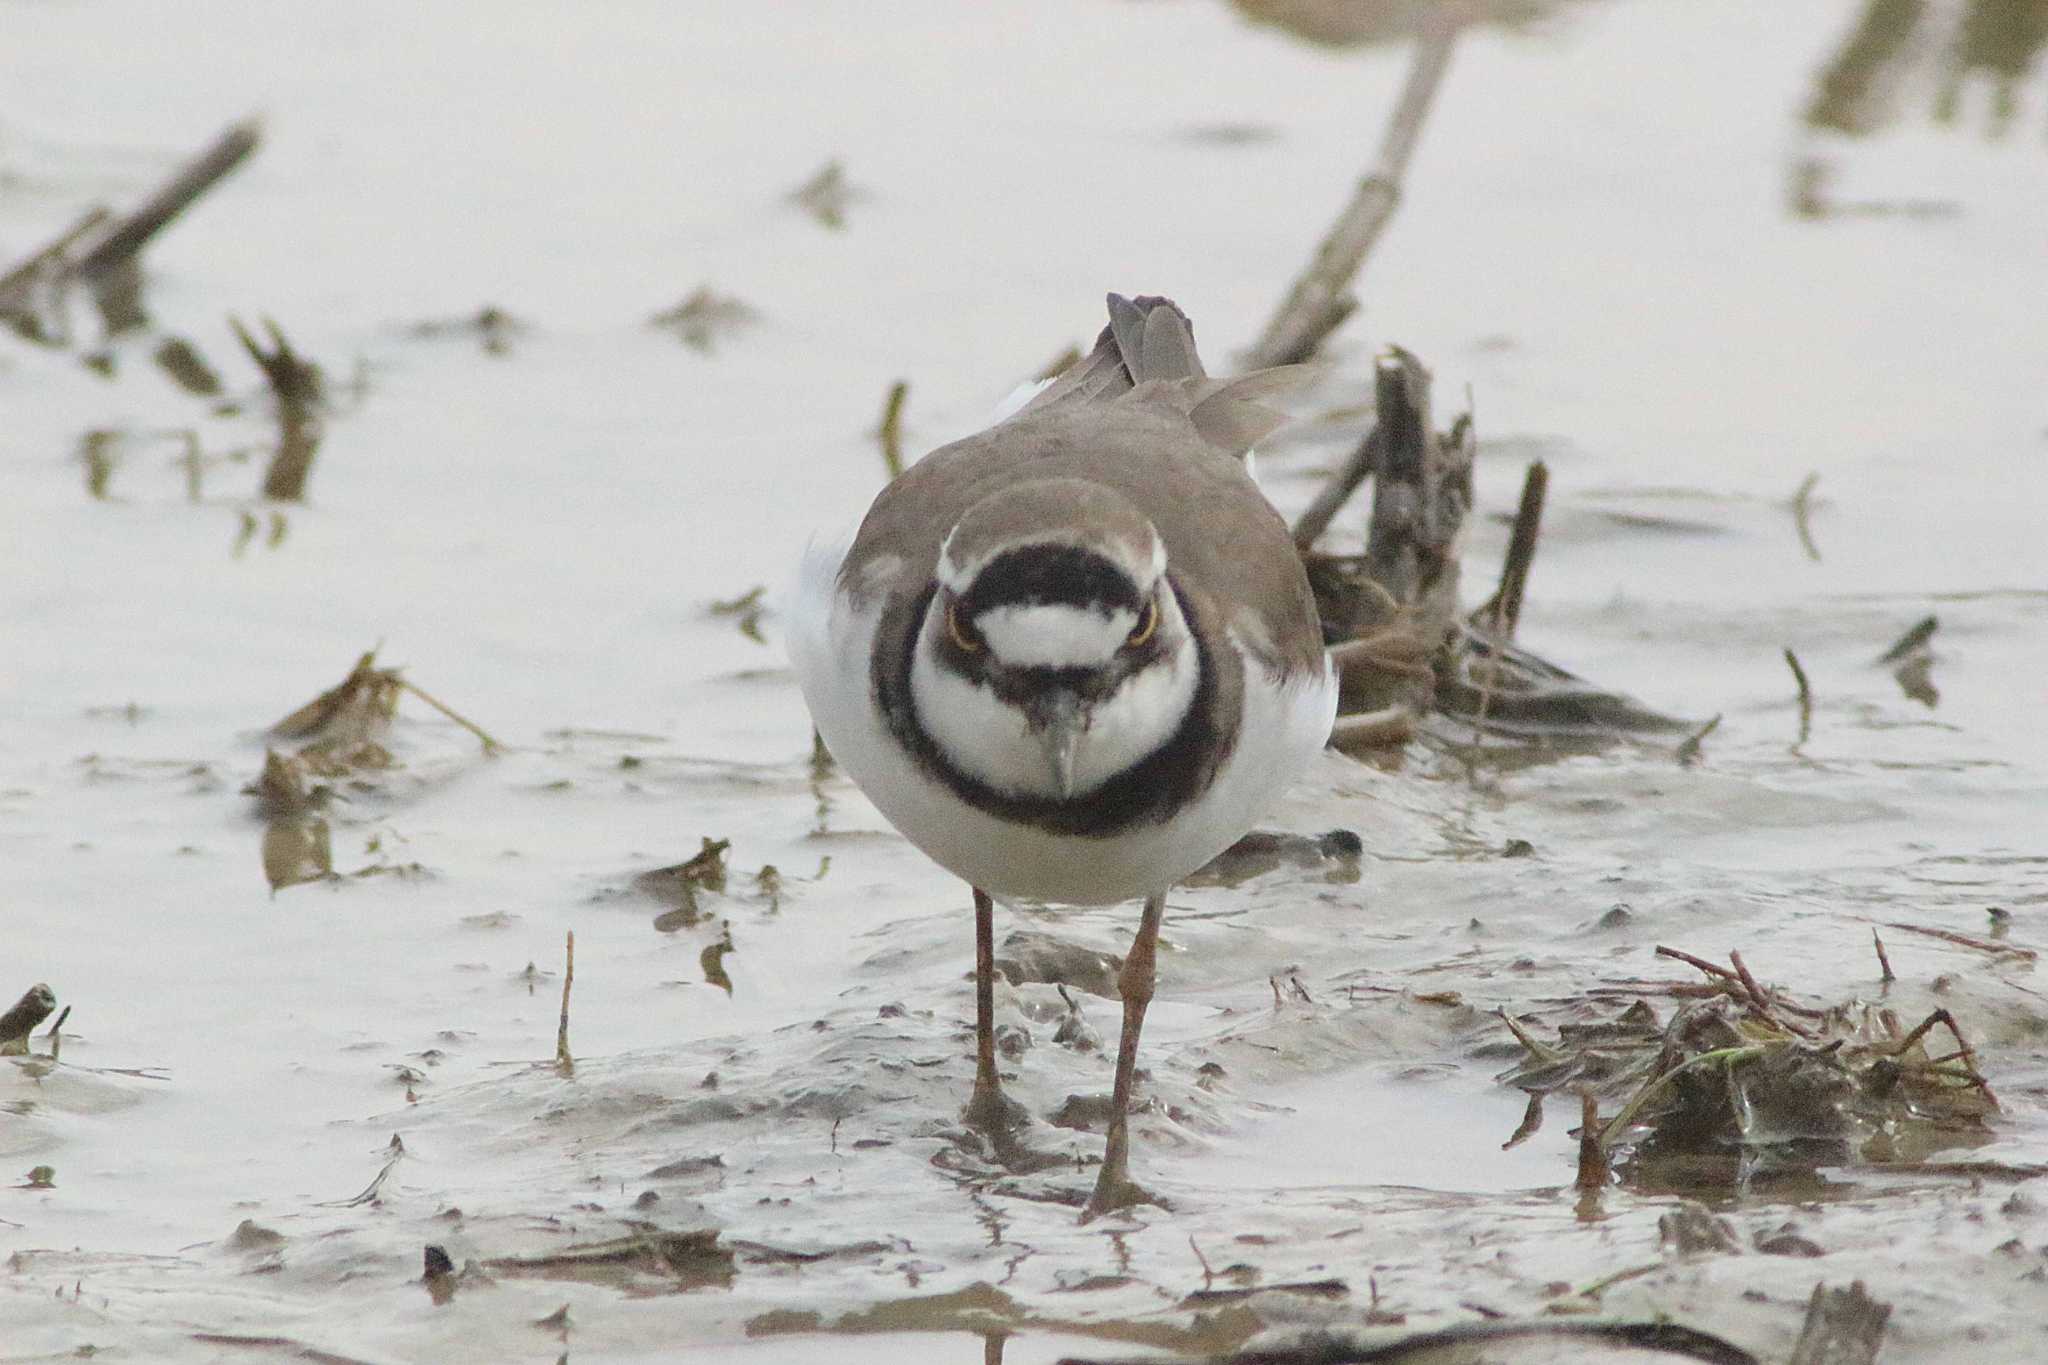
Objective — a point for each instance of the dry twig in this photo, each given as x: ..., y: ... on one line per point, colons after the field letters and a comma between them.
x: 1318, y: 303
x: 890, y: 432
x: 562, y: 1058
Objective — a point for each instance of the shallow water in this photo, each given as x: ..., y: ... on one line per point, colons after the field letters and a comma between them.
x: 1600, y: 238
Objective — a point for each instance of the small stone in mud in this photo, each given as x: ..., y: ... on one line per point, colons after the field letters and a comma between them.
x: 1335, y: 854
x: 1690, y: 1230
x: 1083, y: 1112
x: 1617, y: 917
x: 1027, y: 957
x: 437, y: 1262
x: 1012, y: 1042
x: 1786, y: 1240
x: 1518, y: 848
x: 249, y: 1235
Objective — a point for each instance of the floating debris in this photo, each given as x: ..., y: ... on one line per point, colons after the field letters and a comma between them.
x: 678, y: 886
x: 747, y: 610
x: 341, y: 734
x: 705, y: 319
x: 491, y: 327
x: 827, y: 195
x: 297, y: 385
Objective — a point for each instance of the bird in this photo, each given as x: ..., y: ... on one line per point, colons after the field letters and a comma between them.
x: 1074, y: 656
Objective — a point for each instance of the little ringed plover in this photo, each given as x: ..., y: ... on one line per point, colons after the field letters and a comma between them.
x: 1074, y: 656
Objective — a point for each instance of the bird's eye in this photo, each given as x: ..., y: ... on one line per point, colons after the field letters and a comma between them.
x: 964, y: 635
x: 1148, y: 621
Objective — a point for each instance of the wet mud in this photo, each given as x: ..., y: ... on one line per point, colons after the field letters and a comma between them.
x: 1511, y: 1039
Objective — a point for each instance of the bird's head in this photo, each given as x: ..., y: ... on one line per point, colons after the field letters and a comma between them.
x: 1054, y: 653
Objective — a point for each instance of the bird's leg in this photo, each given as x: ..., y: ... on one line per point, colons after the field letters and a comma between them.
x: 1114, y: 1188
x: 987, y: 1110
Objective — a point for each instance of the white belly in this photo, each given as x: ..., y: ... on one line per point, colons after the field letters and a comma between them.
x: 830, y: 646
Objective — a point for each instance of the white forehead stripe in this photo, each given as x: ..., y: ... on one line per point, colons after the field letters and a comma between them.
x: 957, y: 577
x: 1054, y: 635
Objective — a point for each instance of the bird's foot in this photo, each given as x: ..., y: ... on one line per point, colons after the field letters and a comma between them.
x: 1114, y: 1191
x: 993, y: 1114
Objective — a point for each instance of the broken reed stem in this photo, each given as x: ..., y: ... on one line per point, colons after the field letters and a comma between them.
x: 1710, y: 968
x: 194, y: 178
x: 1884, y: 962
x: 562, y: 1058
x: 1761, y: 1001
x: 1331, y: 497
x: 1982, y: 945
x: 1542, y: 1052
x: 1805, y: 694
x: 491, y: 746
x: 1802, y: 508
x: 1592, y: 1175
x: 21, y: 1018
x: 1963, y: 1049
x: 1626, y: 1115
x: 1316, y: 303
x: 1208, y: 1275
x: 18, y: 285
x: 1386, y: 727
x: 1521, y: 552
x: 1689, y: 747
x: 1920, y: 633
x: 296, y: 384
x: 890, y: 432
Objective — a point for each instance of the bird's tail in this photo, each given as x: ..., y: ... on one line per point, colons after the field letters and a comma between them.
x: 1147, y: 354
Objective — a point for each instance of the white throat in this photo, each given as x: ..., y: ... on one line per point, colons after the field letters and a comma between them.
x: 991, y: 742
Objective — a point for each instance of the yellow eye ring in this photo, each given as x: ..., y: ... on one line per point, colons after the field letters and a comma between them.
x: 1148, y: 622
x: 963, y: 636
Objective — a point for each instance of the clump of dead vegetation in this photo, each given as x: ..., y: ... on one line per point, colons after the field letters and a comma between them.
x: 334, y: 743
x: 1742, y: 1080
x: 100, y: 257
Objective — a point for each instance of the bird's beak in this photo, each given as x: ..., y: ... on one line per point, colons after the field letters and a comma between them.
x: 1060, y: 724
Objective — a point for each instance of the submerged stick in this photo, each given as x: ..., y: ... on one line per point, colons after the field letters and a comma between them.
x: 1982, y: 945
x: 1805, y: 694
x: 562, y: 1058
x: 1317, y: 303
x: 1802, y: 509
x: 1884, y: 962
x: 1468, y: 1341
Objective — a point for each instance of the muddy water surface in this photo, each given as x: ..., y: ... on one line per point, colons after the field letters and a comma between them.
x: 1689, y: 255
